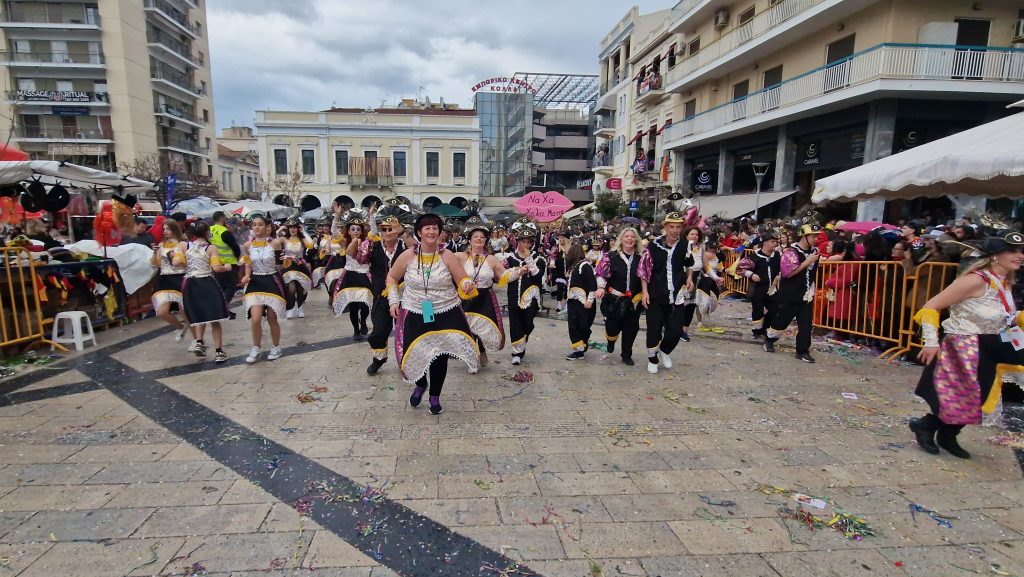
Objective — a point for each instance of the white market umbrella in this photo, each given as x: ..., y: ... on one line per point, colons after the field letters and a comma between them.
x: 986, y: 160
x: 51, y: 171
x: 245, y: 207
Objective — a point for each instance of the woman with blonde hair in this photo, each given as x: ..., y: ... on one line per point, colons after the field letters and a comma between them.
x: 981, y: 347
x: 169, y: 258
x: 620, y: 292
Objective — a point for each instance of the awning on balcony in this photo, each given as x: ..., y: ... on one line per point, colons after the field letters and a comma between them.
x: 987, y: 160
x: 664, y: 126
x: 731, y: 206
x: 638, y: 136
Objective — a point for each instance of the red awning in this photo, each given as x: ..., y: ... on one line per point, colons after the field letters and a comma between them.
x: 638, y: 136
x: 664, y: 126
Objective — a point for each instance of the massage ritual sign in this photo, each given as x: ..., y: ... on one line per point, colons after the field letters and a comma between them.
x: 543, y: 206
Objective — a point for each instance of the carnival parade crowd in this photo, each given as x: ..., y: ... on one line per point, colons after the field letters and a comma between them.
x: 434, y: 283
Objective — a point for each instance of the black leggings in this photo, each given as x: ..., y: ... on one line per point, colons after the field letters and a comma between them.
x: 357, y: 313
x: 438, y: 371
x: 298, y: 295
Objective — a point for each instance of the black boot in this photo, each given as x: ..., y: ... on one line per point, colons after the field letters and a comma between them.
x: 375, y: 366
x: 924, y: 429
x: 947, y: 440
x: 611, y: 347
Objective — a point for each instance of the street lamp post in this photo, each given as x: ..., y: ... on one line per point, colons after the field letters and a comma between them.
x: 760, y: 169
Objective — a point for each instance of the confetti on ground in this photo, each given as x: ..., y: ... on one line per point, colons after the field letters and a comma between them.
x: 153, y: 558
x: 723, y: 503
x: 892, y: 446
x: 671, y: 396
x: 522, y: 377
x: 942, y: 520
x: 483, y: 485
x: 757, y: 400
x: 196, y: 568
x: 305, y: 398
x: 851, y: 526
x: 598, y: 346
x: 716, y: 330
x: 1008, y: 439
x: 318, y: 388
x: 697, y: 410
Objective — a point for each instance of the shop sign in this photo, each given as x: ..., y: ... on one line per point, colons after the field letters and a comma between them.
x: 585, y: 184
x: 53, y: 96
x: 76, y: 149
x: 69, y: 110
x: 504, y: 84
x: 613, y: 184
x: 704, y: 181
x: 810, y: 153
x: 543, y: 206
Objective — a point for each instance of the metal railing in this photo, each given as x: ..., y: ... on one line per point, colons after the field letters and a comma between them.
x: 682, y: 10
x: 49, y: 13
x: 599, y: 160
x: 604, y: 122
x: 649, y: 85
x: 50, y: 96
x: 182, y: 145
x: 178, y: 113
x: 733, y: 39
x: 52, y: 57
x: 62, y: 133
x: 174, y: 14
x: 182, y: 49
x: 614, y: 81
x: 176, y: 78
x: 885, y: 61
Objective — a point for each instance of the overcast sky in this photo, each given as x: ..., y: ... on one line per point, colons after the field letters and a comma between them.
x: 312, y: 54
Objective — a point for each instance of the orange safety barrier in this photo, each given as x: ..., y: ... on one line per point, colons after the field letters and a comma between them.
x: 21, y: 310
x: 861, y: 299
x: 734, y: 284
x: 921, y: 284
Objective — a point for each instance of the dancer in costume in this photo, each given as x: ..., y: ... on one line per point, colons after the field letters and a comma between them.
x: 557, y: 273
x: 665, y: 276
x: 796, y: 293
x: 264, y: 287
x: 323, y: 250
x: 580, y: 301
x: 763, y: 270
x: 202, y: 296
x: 352, y: 290
x: 431, y: 325
x: 524, y: 294
x: 619, y: 289
x: 703, y: 299
x: 981, y: 349
x: 170, y: 258
x: 297, y: 272
x: 383, y: 254
x: 483, y: 311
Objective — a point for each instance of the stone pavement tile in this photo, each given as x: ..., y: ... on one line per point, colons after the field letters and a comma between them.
x: 591, y: 462
x: 326, y: 449
x: 644, y: 443
x: 282, y: 517
x: 1011, y: 517
x: 882, y: 450
x: 1011, y: 549
x: 794, y: 456
x: 409, y: 487
x: 361, y: 466
x: 186, y: 452
x: 121, y: 453
x: 149, y: 472
x: 89, y: 525
x: 106, y: 559
x: 887, y: 534
x: 673, y: 507
x: 512, y: 464
x: 944, y: 498
x: 101, y: 423
x: 48, y: 474
x: 1013, y: 491
x: 214, y: 471
x: 552, y: 510
x: 377, y: 571
x: 830, y: 564
x: 394, y: 448
x: 681, y: 481
x: 170, y: 494
x: 740, y: 565
x: 50, y: 498
x: 19, y: 410
x: 8, y: 521
x: 469, y: 416
x: 952, y: 560
x: 704, y: 459
x: 703, y: 537
x: 599, y: 483
x: 795, y: 478
x: 245, y: 552
x: 583, y: 567
x: 204, y: 520
x: 433, y: 464
x: 94, y: 409
x: 620, y: 540
x: 520, y: 542
x: 294, y: 407
x: 461, y: 512
x: 564, y: 445
x: 863, y: 500
x: 971, y: 527
x: 16, y: 454
x: 537, y: 417
x: 26, y: 423
x: 21, y: 555
x: 888, y: 474
x: 242, y: 492
x: 485, y: 485
x: 504, y: 446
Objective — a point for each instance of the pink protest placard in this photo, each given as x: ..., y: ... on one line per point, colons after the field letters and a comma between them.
x: 543, y: 206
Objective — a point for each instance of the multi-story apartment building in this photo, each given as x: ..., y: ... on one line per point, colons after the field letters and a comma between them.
x: 424, y: 153
x: 110, y: 81
x: 563, y: 137
x: 808, y: 88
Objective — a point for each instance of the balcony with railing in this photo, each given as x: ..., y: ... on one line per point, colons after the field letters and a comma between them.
x: 178, y: 113
x: 176, y: 79
x: 171, y: 14
x: 182, y: 145
x: 58, y: 15
x: 603, y: 162
x: 172, y: 46
x: 888, y: 68
x: 56, y: 59
x: 58, y: 97
x: 604, y: 125
x: 370, y: 171
x: 649, y: 90
x: 782, y: 23
x: 62, y: 133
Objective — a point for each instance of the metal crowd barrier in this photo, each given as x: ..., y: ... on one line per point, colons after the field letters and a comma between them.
x: 21, y: 310
x: 926, y: 280
x: 735, y: 284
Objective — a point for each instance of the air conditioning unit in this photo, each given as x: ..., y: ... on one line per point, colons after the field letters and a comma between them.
x: 307, y: 180
x: 721, y: 18
x: 79, y: 135
x: 159, y: 119
x: 1018, y: 31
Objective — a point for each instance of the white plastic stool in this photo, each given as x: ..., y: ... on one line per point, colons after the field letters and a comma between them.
x: 73, y: 327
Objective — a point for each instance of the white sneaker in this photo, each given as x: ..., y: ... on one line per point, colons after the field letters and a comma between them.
x: 652, y: 368
x: 179, y: 335
x: 193, y: 347
x: 665, y: 359
x: 254, y: 355
x: 289, y: 314
x: 301, y: 314
x: 516, y: 359
x: 274, y: 354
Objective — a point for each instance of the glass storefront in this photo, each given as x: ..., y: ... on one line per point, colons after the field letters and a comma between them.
x: 506, y: 141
